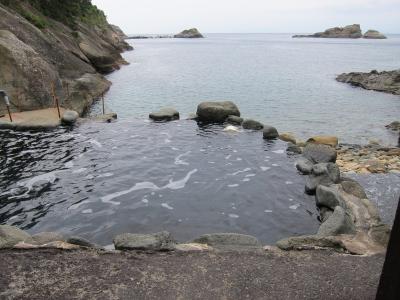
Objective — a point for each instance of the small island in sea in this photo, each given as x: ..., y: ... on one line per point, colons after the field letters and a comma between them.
x: 347, y: 32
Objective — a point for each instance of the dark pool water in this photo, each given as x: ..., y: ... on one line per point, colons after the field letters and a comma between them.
x: 103, y: 179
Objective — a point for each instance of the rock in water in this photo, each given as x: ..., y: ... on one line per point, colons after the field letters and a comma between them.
x: 234, y: 120
x: 320, y: 153
x: 352, y: 187
x: 304, y: 165
x: 374, y: 34
x: 347, y: 32
x: 229, y: 241
x: 270, y: 133
x: 252, y: 124
x: 189, y: 34
x: 216, y: 112
x: 395, y: 126
x: 338, y: 223
x: 328, y: 197
x: 292, y: 148
x: 10, y: 236
x: 324, y: 140
x: 161, y: 241
x: 69, y: 117
x: 165, y: 114
x: 288, y: 137
x: 386, y: 81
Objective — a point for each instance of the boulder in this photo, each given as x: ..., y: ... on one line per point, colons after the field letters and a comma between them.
x: 47, y: 237
x: 161, y: 241
x: 10, y: 236
x: 77, y: 240
x: 338, y: 223
x: 252, y: 124
x: 189, y: 34
x: 216, y: 112
x: 235, y: 120
x: 270, y: 133
x: 165, y: 114
x: 374, y: 34
x: 192, y: 247
x: 311, y: 242
x: 304, y: 165
x: 394, y: 126
x: 328, y: 196
x: 320, y: 153
x: 324, y: 140
x: 322, y: 174
x: 229, y: 241
x: 324, y: 213
x: 292, y: 148
x: 352, y: 187
x: 380, y: 233
x: 69, y: 117
x: 287, y: 137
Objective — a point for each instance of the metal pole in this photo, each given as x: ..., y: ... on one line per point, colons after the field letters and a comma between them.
x: 8, y: 107
x: 389, y: 285
x: 102, y: 99
x: 55, y: 98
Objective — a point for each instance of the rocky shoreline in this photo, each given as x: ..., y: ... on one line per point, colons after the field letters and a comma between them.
x: 55, y: 58
x: 385, y: 81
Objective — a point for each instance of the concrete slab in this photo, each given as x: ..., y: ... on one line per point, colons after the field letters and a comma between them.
x: 35, y: 119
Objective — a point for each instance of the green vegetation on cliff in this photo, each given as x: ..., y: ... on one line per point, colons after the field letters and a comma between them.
x: 68, y: 12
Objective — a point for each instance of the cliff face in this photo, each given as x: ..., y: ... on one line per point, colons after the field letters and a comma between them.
x: 40, y: 48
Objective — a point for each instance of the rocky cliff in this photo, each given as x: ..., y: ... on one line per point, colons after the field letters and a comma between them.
x: 386, y: 81
x: 65, y: 44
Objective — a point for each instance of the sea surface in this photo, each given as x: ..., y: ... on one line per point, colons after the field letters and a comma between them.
x: 285, y: 82
x: 98, y: 180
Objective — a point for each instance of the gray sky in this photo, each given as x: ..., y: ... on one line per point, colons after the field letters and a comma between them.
x: 290, y: 16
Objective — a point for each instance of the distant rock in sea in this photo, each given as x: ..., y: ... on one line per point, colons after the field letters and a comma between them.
x: 374, y: 34
x: 386, y: 81
x: 189, y: 34
x: 347, y: 32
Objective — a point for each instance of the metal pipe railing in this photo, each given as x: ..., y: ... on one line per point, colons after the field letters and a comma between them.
x: 7, y: 101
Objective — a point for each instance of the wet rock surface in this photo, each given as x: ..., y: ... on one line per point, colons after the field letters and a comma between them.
x: 235, y: 275
x: 385, y: 81
x: 270, y: 132
x: 165, y: 114
x: 252, y: 124
x: 320, y: 153
x: 229, y: 241
x: 216, y: 112
x: 161, y: 241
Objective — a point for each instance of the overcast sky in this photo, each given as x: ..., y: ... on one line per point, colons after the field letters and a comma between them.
x: 289, y: 16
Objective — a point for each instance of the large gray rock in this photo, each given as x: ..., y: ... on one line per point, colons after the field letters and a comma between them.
x: 252, y: 124
x: 294, y: 149
x: 329, y: 196
x: 165, y: 114
x: 347, y: 32
x: 235, y: 120
x: 69, y: 117
x: 229, y: 241
x: 48, y: 237
x: 270, y: 133
x: 352, y: 187
x: 322, y: 174
x: 339, y: 222
x: 320, y: 153
x: 386, y: 81
x: 216, y: 111
x: 10, y: 236
x: 161, y: 241
x: 374, y: 34
x: 304, y: 165
x: 189, y: 34
x: 310, y: 242
x: 395, y: 126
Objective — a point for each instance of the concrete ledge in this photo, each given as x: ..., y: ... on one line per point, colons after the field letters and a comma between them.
x: 36, y: 119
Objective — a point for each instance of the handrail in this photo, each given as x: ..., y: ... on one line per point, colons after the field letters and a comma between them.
x: 7, y: 101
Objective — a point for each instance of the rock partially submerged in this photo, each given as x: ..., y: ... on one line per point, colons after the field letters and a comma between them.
x: 216, y: 112
x: 189, y: 34
x: 252, y: 124
x: 161, y: 241
x: 235, y: 120
x: 385, y: 81
x: 165, y: 114
x: 320, y: 153
x: 69, y: 117
x: 324, y: 140
x: 229, y: 241
x: 270, y: 133
x: 374, y: 34
x: 347, y: 32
